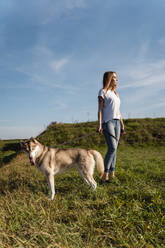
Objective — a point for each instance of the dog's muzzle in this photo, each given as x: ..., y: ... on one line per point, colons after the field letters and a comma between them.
x: 31, y: 161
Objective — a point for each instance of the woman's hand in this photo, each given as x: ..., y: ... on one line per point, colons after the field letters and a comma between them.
x: 123, y: 131
x: 99, y: 129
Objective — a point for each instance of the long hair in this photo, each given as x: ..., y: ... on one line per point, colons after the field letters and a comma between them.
x: 107, y: 79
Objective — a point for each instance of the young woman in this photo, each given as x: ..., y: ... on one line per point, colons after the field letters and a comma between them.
x: 110, y: 120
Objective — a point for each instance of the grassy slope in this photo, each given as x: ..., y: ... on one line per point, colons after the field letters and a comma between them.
x: 129, y: 212
x: 139, y: 132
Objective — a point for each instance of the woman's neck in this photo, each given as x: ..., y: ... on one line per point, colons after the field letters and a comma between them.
x: 111, y: 89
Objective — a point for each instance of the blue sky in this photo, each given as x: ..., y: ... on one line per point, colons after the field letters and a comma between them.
x: 54, y: 53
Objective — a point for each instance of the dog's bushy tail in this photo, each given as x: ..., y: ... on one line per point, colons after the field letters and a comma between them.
x: 99, y: 161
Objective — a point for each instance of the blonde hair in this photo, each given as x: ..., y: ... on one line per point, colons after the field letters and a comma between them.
x: 108, y: 79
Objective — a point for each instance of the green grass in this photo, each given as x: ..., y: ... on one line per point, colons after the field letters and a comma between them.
x: 139, y: 132
x: 8, y: 150
x: 127, y: 213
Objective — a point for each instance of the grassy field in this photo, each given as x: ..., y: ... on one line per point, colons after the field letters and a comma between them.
x: 127, y: 213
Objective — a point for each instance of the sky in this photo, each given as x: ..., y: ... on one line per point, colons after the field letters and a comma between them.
x: 53, y: 55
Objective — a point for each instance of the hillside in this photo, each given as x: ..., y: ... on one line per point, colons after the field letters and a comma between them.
x: 139, y: 132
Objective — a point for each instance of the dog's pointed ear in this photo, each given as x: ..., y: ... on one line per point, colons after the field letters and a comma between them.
x: 33, y: 140
x: 22, y: 144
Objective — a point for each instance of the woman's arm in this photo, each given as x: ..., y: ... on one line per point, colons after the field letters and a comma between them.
x: 121, y: 119
x: 100, y: 110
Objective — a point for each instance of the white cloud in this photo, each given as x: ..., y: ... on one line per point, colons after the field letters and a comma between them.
x: 158, y: 105
x: 58, y: 64
x: 144, y: 48
x: 144, y: 88
x: 144, y: 74
x: 42, y: 73
x: 37, y: 79
x: 61, y: 105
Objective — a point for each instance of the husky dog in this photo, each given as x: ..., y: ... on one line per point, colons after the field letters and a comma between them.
x: 52, y: 161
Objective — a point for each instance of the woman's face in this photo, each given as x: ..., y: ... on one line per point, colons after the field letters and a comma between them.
x: 114, y: 81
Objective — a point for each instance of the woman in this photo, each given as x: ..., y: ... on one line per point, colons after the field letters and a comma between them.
x: 110, y: 120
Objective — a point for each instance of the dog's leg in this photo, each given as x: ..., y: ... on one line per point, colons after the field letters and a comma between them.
x: 84, y: 177
x: 88, y: 178
x: 92, y: 181
x: 88, y: 173
x: 50, y: 178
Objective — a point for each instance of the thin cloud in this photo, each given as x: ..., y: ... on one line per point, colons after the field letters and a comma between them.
x: 57, y: 65
x: 144, y: 49
x: 145, y: 74
x: 55, y: 9
x: 60, y: 105
x: 71, y: 4
x: 146, y: 82
x: 43, y: 73
x: 161, y: 41
x: 36, y: 80
x: 45, y: 82
x: 158, y: 105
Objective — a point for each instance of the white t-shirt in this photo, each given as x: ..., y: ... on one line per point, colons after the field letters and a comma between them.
x: 111, y: 107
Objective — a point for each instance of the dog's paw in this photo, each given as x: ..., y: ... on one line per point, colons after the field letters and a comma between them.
x: 51, y: 197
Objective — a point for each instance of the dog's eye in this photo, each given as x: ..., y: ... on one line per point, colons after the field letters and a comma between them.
x: 32, y: 148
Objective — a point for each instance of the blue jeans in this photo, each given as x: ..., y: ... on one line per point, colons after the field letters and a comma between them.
x: 111, y: 127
